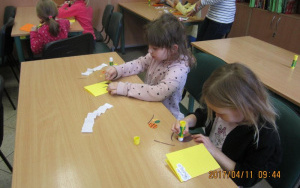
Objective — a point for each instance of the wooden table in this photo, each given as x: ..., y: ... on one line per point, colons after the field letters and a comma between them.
x: 271, y: 63
x: 149, y: 13
x: 26, y: 15
x: 51, y: 151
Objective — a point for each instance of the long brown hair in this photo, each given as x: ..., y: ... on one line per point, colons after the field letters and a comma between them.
x: 47, y: 11
x: 166, y: 31
x: 236, y: 86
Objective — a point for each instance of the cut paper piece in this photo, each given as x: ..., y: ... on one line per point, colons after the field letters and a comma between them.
x: 90, y: 119
x: 90, y: 71
x: 191, y: 162
x: 153, y: 123
x: 98, y: 88
x: 27, y: 27
x: 71, y: 20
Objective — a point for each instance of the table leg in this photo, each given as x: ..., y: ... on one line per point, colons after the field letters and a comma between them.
x: 19, y: 49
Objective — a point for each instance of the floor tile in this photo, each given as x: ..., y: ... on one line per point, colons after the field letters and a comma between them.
x: 5, y: 179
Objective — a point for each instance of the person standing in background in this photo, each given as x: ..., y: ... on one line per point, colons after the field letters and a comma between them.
x: 218, y: 21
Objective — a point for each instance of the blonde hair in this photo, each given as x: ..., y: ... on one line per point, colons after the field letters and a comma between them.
x: 236, y: 86
x: 47, y: 11
x: 167, y: 31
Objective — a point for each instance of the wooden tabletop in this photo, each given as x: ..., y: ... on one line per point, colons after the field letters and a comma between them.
x: 51, y: 151
x: 270, y: 63
x: 150, y: 13
x: 27, y: 15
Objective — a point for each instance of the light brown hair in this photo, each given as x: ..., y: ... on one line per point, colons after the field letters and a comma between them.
x: 47, y: 11
x: 236, y: 86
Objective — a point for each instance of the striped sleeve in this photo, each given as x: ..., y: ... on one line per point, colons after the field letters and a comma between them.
x: 222, y: 11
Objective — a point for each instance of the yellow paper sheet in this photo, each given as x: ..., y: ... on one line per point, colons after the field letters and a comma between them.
x: 196, y: 160
x: 98, y: 88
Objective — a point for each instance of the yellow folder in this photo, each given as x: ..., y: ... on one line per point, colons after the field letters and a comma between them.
x: 191, y: 162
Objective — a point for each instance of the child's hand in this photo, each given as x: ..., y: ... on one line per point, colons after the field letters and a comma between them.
x: 112, y: 88
x: 34, y: 28
x: 200, y: 138
x: 111, y: 73
x: 195, y: 10
x: 176, y: 128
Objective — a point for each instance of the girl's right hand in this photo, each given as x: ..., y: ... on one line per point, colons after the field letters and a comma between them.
x: 176, y: 128
x: 111, y: 73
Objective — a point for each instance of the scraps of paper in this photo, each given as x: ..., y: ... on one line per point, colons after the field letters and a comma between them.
x: 90, y: 119
x: 90, y: 71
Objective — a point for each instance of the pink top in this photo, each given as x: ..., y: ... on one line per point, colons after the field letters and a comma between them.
x: 41, y: 37
x: 82, y: 13
x: 164, y: 81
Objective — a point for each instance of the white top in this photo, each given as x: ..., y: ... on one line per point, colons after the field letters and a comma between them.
x: 222, y: 11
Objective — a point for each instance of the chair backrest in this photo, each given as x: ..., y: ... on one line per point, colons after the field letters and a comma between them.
x: 106, y: 16
x: 77, y: 45
x: 9, y: 11
x: 288, y: 124
x: 1, y: 109
x: 206, y: 64
x: 114, y: 29
x: 6, y: 41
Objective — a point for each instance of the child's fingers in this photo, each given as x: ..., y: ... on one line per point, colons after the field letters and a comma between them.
x: 198, y: 138
x: 176, y: 127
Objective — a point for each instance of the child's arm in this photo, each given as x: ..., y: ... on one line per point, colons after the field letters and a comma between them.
x: 225, y: 162
x: 134, y: 67
x: 173, y: 78
x: 36, y: 43
x: 66, y: 12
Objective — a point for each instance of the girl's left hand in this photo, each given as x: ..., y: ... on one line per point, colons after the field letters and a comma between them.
x: 200, y: 138
x: 112, y: 88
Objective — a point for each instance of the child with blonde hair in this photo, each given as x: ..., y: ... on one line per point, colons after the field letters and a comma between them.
x: 239, y: 120
x: 167, y: 64
x: 50, y: 29
x: 80, y: 10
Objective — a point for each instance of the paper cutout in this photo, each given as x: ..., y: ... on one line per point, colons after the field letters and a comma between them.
x: 90, y: 71
x: 90, y: 119
x: 98, y: 88
x: 182, y: 172
x: 71, y: 20
x: 195, y: 160
x: 27, y: 27
x: 153, y: 123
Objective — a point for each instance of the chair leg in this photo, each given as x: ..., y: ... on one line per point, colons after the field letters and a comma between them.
x: 11, y: 102
x: 15, y: 74
x: 6, y: 161
x: 17, y: 64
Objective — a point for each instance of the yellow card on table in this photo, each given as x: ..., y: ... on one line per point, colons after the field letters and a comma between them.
x: 191, y: 162
x: 98, y: 88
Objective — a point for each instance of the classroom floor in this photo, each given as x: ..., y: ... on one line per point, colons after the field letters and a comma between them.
x: 10, y: 116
